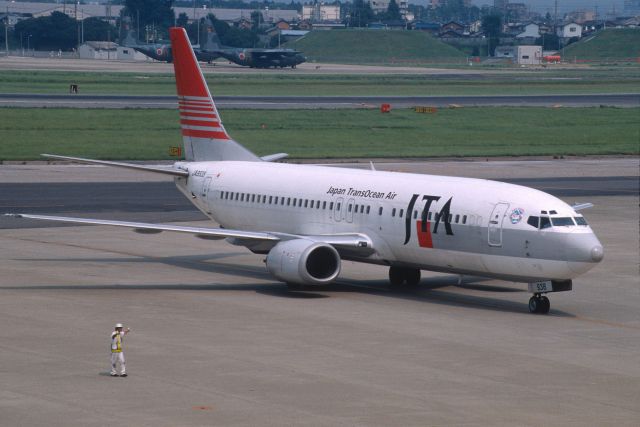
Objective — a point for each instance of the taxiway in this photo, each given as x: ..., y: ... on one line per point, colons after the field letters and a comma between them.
x: 216, y: 341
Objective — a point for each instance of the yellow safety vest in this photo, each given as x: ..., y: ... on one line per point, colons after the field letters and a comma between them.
x: 118, y: 348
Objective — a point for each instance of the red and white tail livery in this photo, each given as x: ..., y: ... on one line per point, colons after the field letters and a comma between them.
x: 203, y: 133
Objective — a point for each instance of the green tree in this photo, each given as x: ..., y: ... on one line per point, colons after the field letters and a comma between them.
x: 95, y: 29
x: 492, y: 27
x: 156, y: 13
x: 360, y: 14
x: 182, y: 20
x: 53, y: 32
x: 393, y: 11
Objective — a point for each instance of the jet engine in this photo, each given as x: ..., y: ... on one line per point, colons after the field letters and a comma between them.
x: 304, y: 262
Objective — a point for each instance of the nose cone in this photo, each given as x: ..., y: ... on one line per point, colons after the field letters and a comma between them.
x: 597, y: 253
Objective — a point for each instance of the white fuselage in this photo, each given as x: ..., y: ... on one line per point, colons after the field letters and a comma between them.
x: 439, y: 223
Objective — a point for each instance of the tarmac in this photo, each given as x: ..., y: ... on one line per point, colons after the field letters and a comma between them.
x: 217, y: 341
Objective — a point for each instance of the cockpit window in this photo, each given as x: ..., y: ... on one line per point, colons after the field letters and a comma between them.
x: 534, y: 221
x: 544, y: 222
x: 562, y: 221
x: 580, y: 220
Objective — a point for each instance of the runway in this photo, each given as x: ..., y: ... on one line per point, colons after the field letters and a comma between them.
x: 217, y: 341
x: 297, y: 102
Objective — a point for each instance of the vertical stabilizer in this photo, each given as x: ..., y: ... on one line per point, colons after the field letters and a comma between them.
x: 212, y: 41
x: 203, y: 134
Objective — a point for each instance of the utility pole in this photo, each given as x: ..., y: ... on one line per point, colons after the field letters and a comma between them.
x: 6, y: 32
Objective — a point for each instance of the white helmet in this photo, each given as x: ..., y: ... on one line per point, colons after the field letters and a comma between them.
x: 119, y: 325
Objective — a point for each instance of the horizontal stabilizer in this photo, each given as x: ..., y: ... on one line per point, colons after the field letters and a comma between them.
x: 154, y: 169
x: 580, y: 206
x: 274, y: 157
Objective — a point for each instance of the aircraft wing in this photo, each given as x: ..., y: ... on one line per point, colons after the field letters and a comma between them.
x: 273, y: 54
x: 351, y: 242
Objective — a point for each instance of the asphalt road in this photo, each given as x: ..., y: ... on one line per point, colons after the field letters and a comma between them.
x: 162, y: 202
x: 297, y: 102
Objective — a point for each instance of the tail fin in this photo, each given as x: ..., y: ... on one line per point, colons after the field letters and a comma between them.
x: 212, y: 41
x: 203, y: 134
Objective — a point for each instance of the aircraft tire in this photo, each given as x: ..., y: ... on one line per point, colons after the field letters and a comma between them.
x: 539, y: 305
x: 412, y: 277
x: 397, y: 276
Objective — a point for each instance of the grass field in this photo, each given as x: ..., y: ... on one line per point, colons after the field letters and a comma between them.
x: 376, y: 47
x: 602, y: 80
x: 608, y: 45
x: 148, y: 134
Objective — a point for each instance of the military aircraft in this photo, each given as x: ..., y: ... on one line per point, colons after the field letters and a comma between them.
x: 247, y: 57
x: 157, y: 51
x: 306, y: 219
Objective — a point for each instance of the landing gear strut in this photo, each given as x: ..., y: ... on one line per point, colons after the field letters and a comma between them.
x: 401, y: 277
x: 539, y: 304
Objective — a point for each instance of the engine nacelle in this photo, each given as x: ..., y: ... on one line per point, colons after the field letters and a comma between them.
x: 304, y: 262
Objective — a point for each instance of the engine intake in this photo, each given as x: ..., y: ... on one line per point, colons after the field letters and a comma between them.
x: 304, y: 262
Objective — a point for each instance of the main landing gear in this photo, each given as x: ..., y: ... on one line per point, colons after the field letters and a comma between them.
x: 539, y: 304
x: 404, y: 277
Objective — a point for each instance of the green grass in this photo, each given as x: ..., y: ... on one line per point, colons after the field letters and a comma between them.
x: 376, y: 47
x: 605, y: 80
x: 148, y: 134
x: 607, y: 45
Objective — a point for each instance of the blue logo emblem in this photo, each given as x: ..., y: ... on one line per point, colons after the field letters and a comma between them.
x: 516, y: 215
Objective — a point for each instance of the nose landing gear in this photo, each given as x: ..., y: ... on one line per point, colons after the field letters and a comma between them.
x: 539, y: 304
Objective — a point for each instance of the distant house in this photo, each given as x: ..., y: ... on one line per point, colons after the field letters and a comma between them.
x: 569, y: 30
x: 531, y: 30
x: 98, y: 50
x: 452, y: 26
x: 243, y: 23
x: 428, y: 27
x: 505, y: 52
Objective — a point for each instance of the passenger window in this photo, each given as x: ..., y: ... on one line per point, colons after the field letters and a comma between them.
x: 270, y: 199
x: 534, y: 221
x: 331, y: 206
x: 544, y: 222
x: 355, y: 210
x: 361, y: 208
x: 401, y: 213
x: 393, y: 212
x: 368, y: 209
x: 311, y: 204
x: 282, y: 201
x: 324, y: 205
x: 464, y: 219
x: 264, y: 199
x: 457, y: 219
x: 553, y: 213
x: 288, y: 201
x: 253, y: 198
x: 242, y: 197
x: 380, y: 210
x: 295, y: 201
x: 338, y: 206
x: 580, y: 220
x: 306, y: 203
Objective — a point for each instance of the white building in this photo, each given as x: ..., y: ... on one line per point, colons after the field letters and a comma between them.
x: 529, y: 55
x: 109, y: 50
x: 320, y: 12
x: 570, y: 30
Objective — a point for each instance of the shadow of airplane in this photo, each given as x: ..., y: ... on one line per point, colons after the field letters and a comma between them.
x: 430, y: 290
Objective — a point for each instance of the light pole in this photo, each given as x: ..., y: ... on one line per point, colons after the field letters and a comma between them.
x: 28, y: 42
x: 6, y: 32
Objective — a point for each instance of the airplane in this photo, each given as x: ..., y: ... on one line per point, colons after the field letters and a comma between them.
x: 157, y: 51
x: 307, y: 219
x: 247, y: 57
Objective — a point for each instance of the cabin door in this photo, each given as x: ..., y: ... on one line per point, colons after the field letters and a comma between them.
x: 495, y: 224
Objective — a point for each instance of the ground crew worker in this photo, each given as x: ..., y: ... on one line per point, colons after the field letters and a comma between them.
x: 117, y: 355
